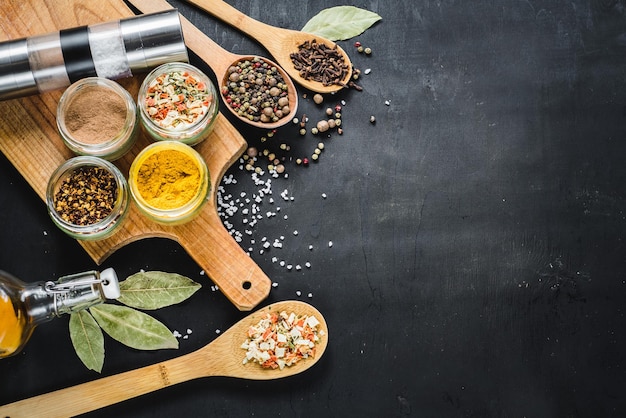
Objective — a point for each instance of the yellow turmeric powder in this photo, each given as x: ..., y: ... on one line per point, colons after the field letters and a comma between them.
x: 168, y: 179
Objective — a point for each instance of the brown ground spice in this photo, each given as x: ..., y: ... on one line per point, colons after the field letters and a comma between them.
x: 95, y: 115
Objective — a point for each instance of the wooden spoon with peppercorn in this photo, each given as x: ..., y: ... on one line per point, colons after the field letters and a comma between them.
x: 328, y: 74
x: 222, y: 357
x: 276, y: 103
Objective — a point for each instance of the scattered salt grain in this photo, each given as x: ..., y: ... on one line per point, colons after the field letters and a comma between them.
x: 298, y: 293
x: 330, y: 244
x: 367, y: 71
x: 310, y: 295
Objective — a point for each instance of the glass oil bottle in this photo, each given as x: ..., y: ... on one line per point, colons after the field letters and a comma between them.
x: 23, y: 306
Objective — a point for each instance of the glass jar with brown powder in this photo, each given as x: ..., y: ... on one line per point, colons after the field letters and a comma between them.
x: 97, y: 117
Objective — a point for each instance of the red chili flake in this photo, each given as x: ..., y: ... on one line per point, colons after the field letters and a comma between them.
x: 305, y: 161
x: 338, y: 108
x: 357, y: 44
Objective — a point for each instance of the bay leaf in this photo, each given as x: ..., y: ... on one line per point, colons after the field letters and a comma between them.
x: 87, y: 339
x: 341, y: 22
x: 156, y: 289
x: 133, y: 328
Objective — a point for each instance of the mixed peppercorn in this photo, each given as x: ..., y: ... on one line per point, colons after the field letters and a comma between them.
x: 256, y: 90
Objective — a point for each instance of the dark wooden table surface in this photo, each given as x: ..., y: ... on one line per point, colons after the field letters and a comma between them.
x: 478, y: 265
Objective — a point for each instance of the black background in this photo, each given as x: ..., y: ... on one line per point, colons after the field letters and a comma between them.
x: 478, y: 264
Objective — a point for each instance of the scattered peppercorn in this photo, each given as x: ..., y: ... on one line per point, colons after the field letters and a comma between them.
x: 86, y: 196
x: 322, y: 126
x: 318, y: 98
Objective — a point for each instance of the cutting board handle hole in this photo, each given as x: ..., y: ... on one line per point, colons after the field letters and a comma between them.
x: 246, y: 285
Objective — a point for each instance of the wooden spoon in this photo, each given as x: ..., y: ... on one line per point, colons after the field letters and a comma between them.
x: 222, y: 357
x: 221, y: 60
x: 280, y: 42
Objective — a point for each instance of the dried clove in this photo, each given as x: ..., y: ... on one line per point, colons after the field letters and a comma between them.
x: 318, y: 62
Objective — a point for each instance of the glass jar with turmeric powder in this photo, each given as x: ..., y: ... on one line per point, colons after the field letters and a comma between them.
x: 169, y: 182
x: 98, y: 117
x: 87, y: 197
x: 178, y: 102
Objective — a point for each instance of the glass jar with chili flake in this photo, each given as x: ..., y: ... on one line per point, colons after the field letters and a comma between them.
x: 87, y: 197
x: 178, y: 102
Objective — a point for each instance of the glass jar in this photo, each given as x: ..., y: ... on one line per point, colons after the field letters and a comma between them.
x: 88, y: 221
x: 182, y: 115
x: 169, y: 182
x: 97, y: 117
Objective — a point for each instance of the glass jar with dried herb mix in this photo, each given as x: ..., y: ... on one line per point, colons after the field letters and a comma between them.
x: 169, y: 182
x: 97, y: 117
x: 87, y: 197
x: 178, y: 102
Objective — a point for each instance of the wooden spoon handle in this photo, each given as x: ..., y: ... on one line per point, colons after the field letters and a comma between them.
x: 107, y: 391
x: 237, y: 19
x: 208, y: 50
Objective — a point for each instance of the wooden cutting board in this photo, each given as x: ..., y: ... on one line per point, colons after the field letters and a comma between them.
x: 30, y: 140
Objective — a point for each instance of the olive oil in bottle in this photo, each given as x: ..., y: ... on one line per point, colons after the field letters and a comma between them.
x: 23, y: 306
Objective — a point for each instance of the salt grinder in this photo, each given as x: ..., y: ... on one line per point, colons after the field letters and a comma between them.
x: 111, y: 50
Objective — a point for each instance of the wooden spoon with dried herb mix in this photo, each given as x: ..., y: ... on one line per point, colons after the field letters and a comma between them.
x: 279, y: 102
x: 222, y: 357
x: 292, y: 49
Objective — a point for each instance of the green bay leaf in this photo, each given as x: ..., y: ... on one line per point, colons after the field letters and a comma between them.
x: 156, y: 289
x: 87, y: 340
x: 341, y: 22
x: 133, y: 328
